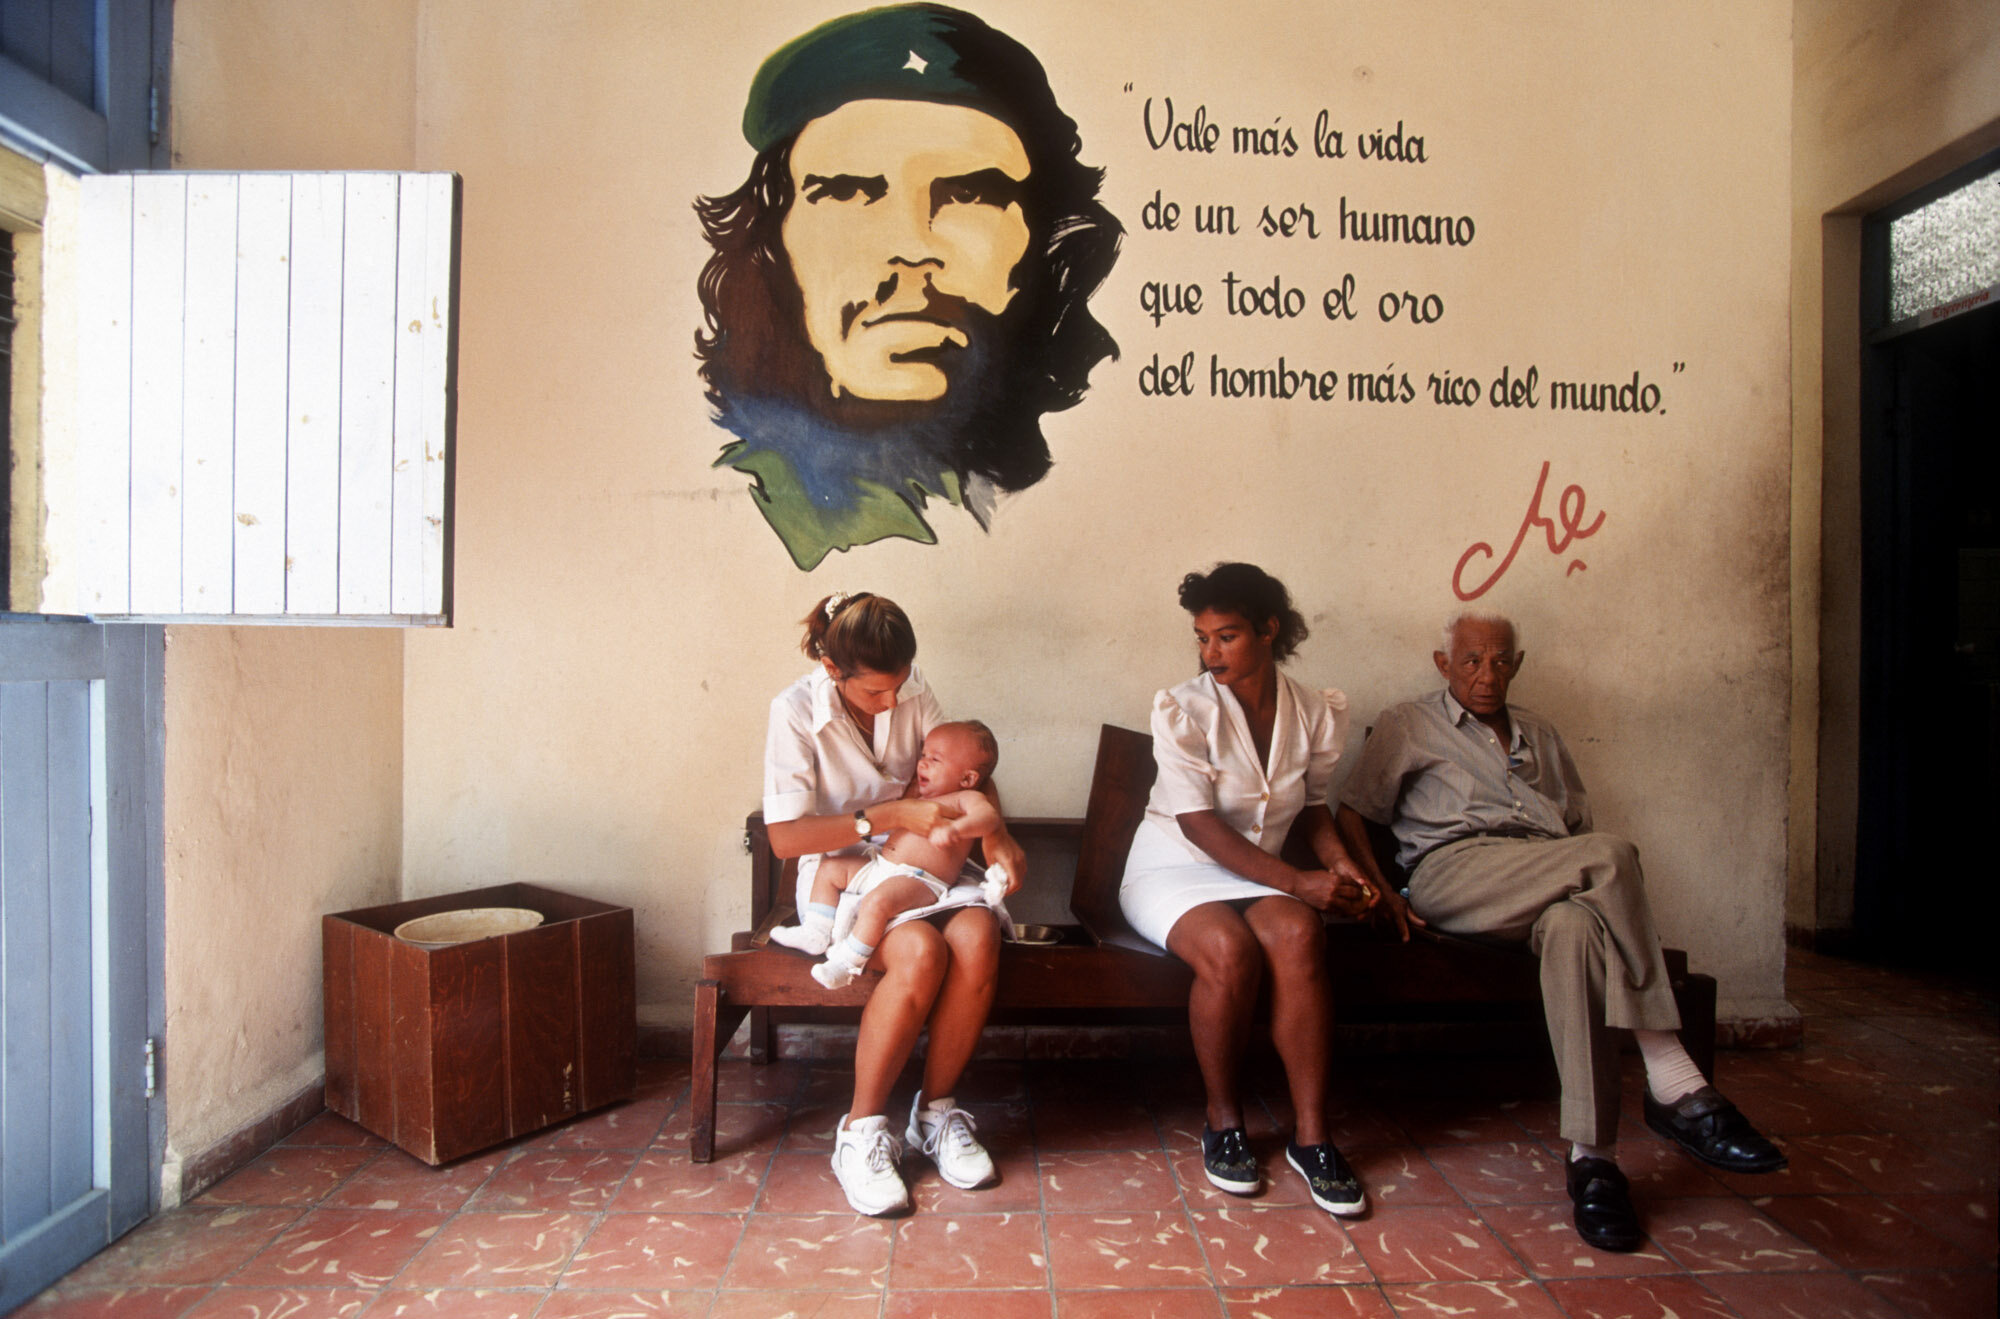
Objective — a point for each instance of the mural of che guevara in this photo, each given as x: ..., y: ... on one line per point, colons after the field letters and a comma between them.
x: 899, y: 291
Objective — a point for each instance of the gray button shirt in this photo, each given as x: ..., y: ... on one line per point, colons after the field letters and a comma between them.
x: 1434, y: 774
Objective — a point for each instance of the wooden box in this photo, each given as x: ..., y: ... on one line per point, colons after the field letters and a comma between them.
x: 447, y: 1051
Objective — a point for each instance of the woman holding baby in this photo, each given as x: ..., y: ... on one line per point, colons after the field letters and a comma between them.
x: 842, y: 747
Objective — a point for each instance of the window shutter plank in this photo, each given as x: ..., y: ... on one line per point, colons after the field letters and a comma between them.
x: 104, y: 402
x: 367, y: 385
x: 159, y: 274
x: 263, y: 315
x: 208, y: 464
x: 312, y: 443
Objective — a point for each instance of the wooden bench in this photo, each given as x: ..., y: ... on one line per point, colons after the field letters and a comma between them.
x: 1101, y: 971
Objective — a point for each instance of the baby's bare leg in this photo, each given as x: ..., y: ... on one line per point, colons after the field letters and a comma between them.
x: 886, y: 901
x: 832, y: 877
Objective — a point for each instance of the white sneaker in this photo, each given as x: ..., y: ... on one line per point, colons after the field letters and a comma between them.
x: 943, y: 1131
x: 864, y: 1162
x: 814, y: 938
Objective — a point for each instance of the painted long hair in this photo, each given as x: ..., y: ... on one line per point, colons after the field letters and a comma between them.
x: 754, y: 345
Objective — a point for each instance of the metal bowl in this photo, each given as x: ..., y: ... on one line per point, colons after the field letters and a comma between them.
x: 446, y: 928
x: 1037, y: 936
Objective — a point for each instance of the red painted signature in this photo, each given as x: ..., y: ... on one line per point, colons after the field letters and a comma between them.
x: 1569, y: 520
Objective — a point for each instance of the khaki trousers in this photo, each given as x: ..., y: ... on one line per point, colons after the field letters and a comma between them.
x: 1579, y: 903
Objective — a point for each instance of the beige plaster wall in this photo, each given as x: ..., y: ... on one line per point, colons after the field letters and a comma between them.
x: 595, y: 718
x: 1886, y: 98
x: 284, y: 745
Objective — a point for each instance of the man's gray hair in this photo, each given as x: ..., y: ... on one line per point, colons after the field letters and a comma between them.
x: 1476, y: 616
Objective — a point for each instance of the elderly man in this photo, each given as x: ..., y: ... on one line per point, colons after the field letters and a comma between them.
x: 1492, y: 823
x: 898, y: 292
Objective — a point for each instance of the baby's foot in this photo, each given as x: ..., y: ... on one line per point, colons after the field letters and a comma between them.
x: 808, y: 937
x: 835, y: 973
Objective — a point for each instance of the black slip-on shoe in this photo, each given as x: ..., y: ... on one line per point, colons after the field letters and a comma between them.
x: 1710, y: 1128
x: 1226, y: 1158
x: 1333, y: 1184
x: 1605, y: 1217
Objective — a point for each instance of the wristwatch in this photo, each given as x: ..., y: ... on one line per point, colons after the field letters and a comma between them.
x: 861, y: 826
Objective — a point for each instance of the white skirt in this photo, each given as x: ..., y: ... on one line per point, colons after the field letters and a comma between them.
x: 1163, y: 882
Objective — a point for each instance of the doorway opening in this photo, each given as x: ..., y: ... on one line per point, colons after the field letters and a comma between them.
x: 1930, y: 572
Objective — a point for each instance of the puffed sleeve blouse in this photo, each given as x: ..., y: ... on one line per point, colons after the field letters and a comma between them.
x: 1208, y: 761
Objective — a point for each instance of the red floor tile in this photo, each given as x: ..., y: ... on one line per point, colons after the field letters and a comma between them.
x: 1397, y: 1175
x: 1517, y: 1172
x: 939, y: 1251
x: 1108, y: 1179
x: 498, y: 1250
x: 196, y: 1243
x: 1186, y: 1304
x: 583, y: 1181
x: 1455, y: 1300
x: 628, y: 1126
x: 332, y: 1129
x: 1545, y: 1236
x: 455, y: 1303
x: 395, y: 1180
x: 1457, y: 1122
x: 1864, y: 1232
x: 232, y: 1302
x: 1922, y: 1295
x: 1035, y: 1304
x: 801, y: 1184
x: 1362, y: 1302
x: 1068, y: 1125
x: 1277, y: 1247
x: 1018, y: 1189
x: 669, y: 1181
x: 1142, y: 1251
x: 342, y: 1247
x: 1638, y: 1298
x: 796, y: 1305
x: 288, y: 1175
x: 624, y: 1305
x: 739, y: 1128
x: 824, y: 1252
x: 73, y: 1302
x: 1799, y: 1296
x: 1968, y: 1220
x: 1710, y: 1236
x: 655, y: 1252
x: 1431, y: 1243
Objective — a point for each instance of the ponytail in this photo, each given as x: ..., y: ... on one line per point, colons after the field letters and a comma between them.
x: 858, y: 632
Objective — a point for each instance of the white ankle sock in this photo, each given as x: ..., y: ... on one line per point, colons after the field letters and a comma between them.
x: 1670, y: 1073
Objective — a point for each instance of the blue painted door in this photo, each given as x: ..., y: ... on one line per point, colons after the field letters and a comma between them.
x: 78, y: 942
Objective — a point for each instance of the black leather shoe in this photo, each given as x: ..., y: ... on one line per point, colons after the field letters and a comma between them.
x: 1605, y: 1217
x: 1709, y: 1127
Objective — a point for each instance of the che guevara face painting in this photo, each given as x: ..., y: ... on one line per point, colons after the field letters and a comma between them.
x: 899, y: 291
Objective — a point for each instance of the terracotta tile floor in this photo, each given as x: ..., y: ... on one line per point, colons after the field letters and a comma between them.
x: 1889, y: 1207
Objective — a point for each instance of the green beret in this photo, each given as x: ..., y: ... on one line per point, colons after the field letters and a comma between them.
x: 917, y: 52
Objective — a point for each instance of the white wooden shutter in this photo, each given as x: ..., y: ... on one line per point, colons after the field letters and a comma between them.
x: 265, y: 364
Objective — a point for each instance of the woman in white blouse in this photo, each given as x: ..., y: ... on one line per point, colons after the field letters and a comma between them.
x: 1242, y: 752
x: 842, y: 746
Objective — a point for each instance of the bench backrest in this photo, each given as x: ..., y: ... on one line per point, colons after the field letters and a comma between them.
x: 1119, y: 786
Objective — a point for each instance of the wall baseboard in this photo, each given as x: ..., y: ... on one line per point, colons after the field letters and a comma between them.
x: 243, y: 1145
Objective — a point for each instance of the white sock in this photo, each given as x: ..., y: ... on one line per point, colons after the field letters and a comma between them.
x: 852, y: 951
x: 1579, y: 1150
x: 1670, y: 1073
x: 817, y: 913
